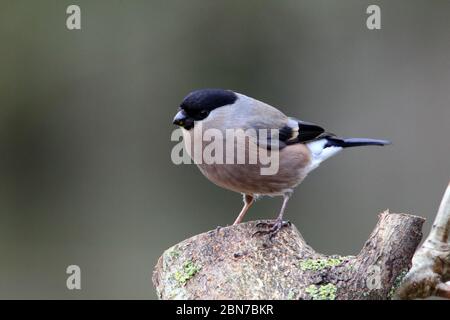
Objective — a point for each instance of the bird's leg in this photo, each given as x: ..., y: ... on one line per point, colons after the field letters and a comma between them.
x: 248, y: 201
x: 275, y: 226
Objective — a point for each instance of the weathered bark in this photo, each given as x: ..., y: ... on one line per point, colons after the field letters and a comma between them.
x: 228, y: 263
x: 430, y: 272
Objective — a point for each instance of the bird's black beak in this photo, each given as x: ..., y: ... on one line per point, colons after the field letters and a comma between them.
x: 180, y: 118
x: 183, y: 120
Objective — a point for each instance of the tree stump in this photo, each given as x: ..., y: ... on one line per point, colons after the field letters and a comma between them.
x: 228, y: 263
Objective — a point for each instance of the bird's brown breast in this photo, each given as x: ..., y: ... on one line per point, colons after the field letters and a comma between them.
x: 294, y: 161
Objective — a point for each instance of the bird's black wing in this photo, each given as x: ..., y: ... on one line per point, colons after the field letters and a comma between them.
x: 283, y: 130
x: 297, y: 131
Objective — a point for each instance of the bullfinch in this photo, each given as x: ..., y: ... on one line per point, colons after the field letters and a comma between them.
x: 298, y: 146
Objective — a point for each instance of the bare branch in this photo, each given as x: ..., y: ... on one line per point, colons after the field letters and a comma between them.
x: 431, y: 263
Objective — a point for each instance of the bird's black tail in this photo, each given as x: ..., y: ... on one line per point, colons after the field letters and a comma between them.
x: 354, y: 142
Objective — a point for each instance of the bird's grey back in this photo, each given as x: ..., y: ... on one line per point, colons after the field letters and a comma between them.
x: 248, y: 113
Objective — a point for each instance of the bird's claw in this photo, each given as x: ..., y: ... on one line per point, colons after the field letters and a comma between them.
x: 264, y: 224
x: 274, y: 227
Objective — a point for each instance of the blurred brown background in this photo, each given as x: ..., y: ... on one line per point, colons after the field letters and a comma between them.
x: 85, y: 123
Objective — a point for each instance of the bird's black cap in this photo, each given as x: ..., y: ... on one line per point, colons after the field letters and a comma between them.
x: 207, y: 100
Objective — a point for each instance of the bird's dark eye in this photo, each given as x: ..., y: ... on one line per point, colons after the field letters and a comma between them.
x: 204, y: 113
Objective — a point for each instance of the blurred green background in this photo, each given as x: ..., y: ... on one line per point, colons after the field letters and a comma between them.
x: 85, y: 123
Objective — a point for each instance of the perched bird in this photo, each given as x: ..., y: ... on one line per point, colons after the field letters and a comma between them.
x: 301, y: 146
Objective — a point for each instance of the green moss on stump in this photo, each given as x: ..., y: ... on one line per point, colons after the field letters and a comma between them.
x: 187, y: 272
x: 173, y: 252
x: 320, y: 264
x: 322, y: 292
x: 397, y: 282
x: 291, y: 295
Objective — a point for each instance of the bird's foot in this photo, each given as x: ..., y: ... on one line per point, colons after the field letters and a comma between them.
x: 273, y: 228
